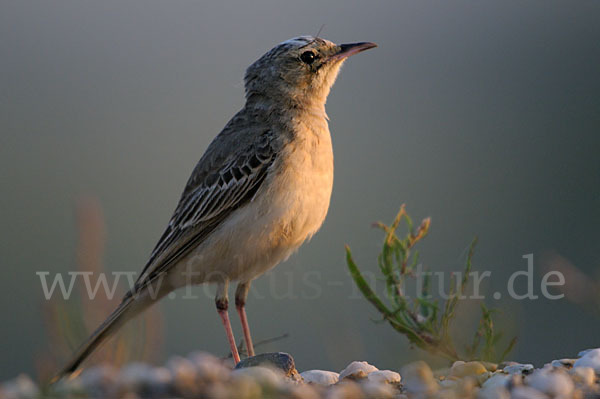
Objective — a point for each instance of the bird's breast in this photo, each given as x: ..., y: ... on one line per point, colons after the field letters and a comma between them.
x: 302, y: 182
x: 289, y: 208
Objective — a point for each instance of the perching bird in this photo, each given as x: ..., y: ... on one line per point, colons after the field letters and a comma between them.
x: 260, y: 190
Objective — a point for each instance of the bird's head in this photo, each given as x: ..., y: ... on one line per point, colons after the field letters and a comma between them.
x: 299, y: 71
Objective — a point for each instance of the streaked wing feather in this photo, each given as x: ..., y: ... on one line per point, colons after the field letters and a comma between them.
x: 202, y: 208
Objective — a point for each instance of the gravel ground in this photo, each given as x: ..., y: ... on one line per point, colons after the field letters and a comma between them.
x: 273, y: 375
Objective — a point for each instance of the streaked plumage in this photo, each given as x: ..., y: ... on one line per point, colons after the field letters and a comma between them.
x: 260, y: 190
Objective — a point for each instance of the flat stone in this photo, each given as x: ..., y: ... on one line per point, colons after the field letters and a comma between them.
x: 320, y: 377
x: 278, y: 360
x: 357, y: 370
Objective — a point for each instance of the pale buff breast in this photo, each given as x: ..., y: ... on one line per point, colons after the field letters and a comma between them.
x: 289, y: 208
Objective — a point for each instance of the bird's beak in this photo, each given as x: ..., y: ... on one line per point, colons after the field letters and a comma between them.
x: 346, y: 50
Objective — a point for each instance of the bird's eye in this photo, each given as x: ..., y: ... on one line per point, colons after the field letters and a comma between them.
x: 308, y: 57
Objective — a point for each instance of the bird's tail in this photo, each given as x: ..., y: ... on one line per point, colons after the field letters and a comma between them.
x: 129, y: 308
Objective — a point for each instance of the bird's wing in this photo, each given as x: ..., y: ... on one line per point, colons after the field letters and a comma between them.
x: 206, y: 201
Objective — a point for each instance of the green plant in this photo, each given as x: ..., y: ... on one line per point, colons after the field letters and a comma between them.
x: 422, y: 319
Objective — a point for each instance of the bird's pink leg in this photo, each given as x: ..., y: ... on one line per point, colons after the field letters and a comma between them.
x: 222, y: 303
x: 225, y: 318
x: 240, y: 303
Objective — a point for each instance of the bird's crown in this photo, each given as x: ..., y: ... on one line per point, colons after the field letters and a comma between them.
x: 300, y: 71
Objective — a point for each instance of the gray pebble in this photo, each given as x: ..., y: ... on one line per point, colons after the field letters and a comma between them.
x: 518, y: 368
x: 279, y: 360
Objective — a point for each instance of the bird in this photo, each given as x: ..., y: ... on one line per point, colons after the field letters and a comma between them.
x: 261, y: 189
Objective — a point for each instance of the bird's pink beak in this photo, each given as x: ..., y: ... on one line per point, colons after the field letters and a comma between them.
x: 346, y: 50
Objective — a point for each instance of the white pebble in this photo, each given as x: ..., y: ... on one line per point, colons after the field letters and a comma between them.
x: 357, y: 370
x: 556, y: 383
x: 584, y: 352
x: 591, y: 358
x: 388, y: 376
x: 320, y: 377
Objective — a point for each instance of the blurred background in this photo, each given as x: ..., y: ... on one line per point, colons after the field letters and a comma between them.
x: 483, y: 115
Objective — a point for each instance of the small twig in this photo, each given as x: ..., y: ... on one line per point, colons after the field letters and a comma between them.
x: 270, y: 340
x: 242, y: 346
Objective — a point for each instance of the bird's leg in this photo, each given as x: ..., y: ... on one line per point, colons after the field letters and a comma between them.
x: 222, y: 303
x: 241, y: 293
